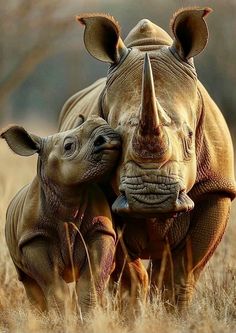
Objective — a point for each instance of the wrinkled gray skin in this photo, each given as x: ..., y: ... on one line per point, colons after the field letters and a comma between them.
x: 63, y: 192
x: 177, y: 154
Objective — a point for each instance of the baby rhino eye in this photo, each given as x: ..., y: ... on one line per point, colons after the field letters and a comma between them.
x: 69, y: 146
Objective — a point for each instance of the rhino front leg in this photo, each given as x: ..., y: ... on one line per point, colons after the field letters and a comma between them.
x: 40, y: 263
x: 184, y: 266
x: 34, y: 292
x: 96, y: 271
x: 130, y: 274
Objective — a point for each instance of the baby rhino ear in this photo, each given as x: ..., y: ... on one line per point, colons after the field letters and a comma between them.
x: 20, y: 141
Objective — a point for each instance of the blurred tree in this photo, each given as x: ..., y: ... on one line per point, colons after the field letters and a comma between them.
x: 30, y: 33
x: 29, y: 30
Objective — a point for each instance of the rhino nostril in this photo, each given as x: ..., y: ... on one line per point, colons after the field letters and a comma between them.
x: 99, y: 141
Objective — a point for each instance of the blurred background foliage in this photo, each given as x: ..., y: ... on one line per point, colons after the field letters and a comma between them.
x: 43, y: 60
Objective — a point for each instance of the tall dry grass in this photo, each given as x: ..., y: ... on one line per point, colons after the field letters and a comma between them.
x: 213, y: 308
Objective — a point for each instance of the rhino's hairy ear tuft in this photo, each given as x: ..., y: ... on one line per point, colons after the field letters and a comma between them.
x: 20, y: 141
x: 190, y: 30
x: 102, y: 37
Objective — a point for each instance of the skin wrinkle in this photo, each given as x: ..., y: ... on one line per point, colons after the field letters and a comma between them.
x: 186, y: 69
x: 169, y: 70
x: 163, y: 63
x: 117, y: 74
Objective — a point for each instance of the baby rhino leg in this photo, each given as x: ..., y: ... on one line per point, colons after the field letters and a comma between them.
x: 33, y: 290
x: 40, y: 263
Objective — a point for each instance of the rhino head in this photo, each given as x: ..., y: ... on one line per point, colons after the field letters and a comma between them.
x: 151, y: 98
x: 72, y: 158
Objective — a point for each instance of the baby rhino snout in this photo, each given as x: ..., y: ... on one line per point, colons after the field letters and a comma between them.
x: 99, y: 141
x: 107, y: 141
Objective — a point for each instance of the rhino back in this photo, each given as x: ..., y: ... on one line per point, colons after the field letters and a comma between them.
x: 84, y: 102
x: 215, y: 156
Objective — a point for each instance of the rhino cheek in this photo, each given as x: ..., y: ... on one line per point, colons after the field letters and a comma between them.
x: 115, y: 180
x: 63, y: 172
x: 52, y: 167
x: 190, y: 173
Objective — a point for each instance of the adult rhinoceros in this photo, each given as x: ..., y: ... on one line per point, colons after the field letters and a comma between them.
x: 177, y: 151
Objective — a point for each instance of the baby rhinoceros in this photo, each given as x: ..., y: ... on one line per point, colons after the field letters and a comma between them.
x: 47, y: 252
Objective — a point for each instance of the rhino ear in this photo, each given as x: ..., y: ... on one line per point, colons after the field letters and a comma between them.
x: 102, y: 37
x: 190, y: 31
x: 20, y: 141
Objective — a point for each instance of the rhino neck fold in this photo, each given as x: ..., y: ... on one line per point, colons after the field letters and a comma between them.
x: 62, y: 203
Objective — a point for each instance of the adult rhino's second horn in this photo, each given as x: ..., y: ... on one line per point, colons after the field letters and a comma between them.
x: 149, y: 140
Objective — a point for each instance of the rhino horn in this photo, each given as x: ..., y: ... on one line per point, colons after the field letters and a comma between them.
x: 150, y: 140
x: 149, y: 119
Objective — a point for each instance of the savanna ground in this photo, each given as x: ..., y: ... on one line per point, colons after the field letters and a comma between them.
x: 213, y: 308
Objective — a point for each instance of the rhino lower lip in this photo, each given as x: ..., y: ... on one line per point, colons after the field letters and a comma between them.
x: 182, y: 204
x: 121, y: 206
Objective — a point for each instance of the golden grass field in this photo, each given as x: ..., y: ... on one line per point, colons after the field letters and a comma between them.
x: 213, y: 308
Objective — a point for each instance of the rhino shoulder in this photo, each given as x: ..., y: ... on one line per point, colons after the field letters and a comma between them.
x: 215, y: 154
x: 84, y: 103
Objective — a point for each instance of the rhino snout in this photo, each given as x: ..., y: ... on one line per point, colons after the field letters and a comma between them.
x: 148, y: 199
x: 103, y: 142
x: 106, y: 140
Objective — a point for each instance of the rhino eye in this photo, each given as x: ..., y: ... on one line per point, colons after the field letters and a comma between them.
x: 190, y: 134
x: 187, y: 139
x: 69, y: 146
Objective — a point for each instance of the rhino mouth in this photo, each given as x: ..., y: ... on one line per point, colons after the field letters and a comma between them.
x: 170, y: 199
x: 114, y: 145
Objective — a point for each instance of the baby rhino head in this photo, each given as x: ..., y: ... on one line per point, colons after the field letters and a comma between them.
x: 84, y: 154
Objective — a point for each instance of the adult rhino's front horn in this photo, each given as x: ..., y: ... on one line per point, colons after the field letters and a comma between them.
x: 150, y: 140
